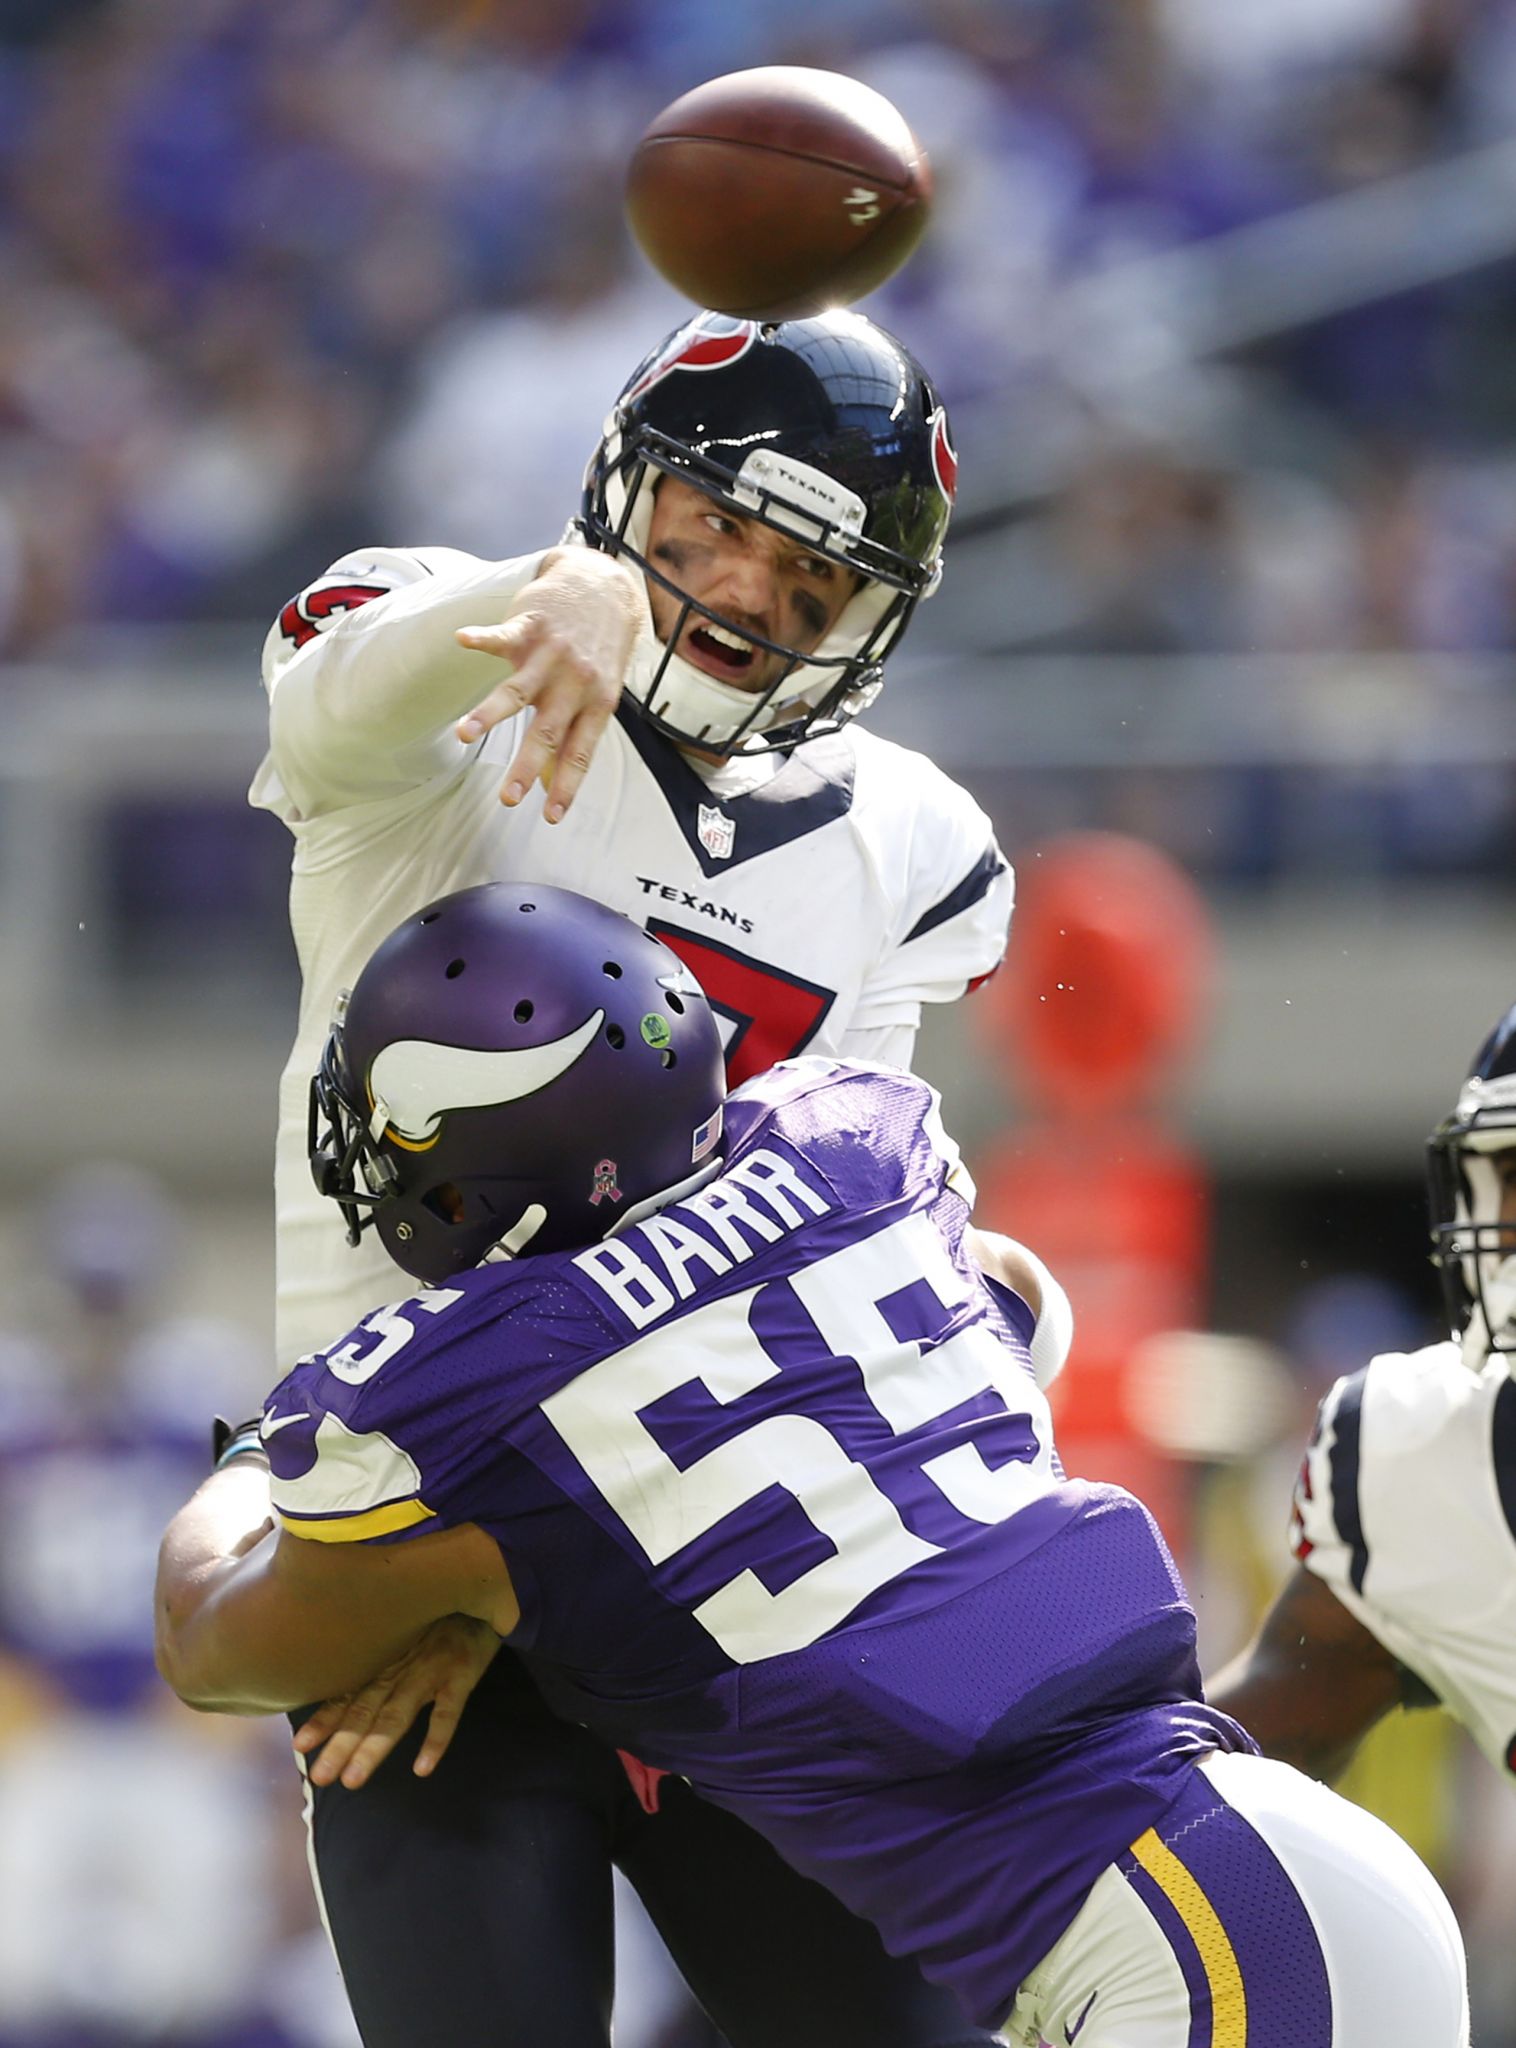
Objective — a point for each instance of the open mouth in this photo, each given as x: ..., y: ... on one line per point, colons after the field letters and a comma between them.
x: 726, y: 656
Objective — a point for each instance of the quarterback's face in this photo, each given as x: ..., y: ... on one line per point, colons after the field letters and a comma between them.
x: 1504, y: 1164
x: 769, y: 583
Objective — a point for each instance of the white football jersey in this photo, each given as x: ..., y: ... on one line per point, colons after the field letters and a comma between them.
x: 1406, y: 1506
x: 820, y: 897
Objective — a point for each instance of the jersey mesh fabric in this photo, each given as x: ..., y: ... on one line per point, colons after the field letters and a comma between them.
x: 931, y: 1691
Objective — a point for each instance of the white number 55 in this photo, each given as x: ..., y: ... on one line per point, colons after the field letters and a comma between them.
x: 666, y: 1509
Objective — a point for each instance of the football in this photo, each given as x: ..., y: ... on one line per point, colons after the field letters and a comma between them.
x: 773, y: 193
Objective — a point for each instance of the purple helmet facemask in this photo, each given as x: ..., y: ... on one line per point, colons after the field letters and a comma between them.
x: 515, y: 1067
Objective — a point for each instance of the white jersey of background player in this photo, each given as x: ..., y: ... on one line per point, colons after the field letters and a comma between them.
x: 1404, y: 1520
x: 780, y: 496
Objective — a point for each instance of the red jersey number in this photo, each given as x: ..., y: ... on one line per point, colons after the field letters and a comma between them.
x: 303, y: 616
x: 774, y: 1015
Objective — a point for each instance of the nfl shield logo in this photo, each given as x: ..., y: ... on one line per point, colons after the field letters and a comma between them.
x: 717, y: 832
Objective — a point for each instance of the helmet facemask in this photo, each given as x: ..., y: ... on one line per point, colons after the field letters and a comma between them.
x: 1473, y: 1249
x: 823, y: 430
x: 342, y: 1143
x: 810, y: 693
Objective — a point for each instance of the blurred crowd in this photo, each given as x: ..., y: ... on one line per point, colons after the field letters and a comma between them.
x: 152, y: 1883
x: 286, y: 272
x: 283, y: 275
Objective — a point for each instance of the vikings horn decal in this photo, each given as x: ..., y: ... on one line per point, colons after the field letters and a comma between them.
x: 417, y: 1083
x: 944, y: 461
x: 710, y: 349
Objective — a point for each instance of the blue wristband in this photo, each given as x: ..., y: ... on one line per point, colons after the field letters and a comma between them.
x: 243, y: 1441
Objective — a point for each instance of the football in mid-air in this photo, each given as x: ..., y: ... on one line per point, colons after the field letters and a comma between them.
x: 773, y: 193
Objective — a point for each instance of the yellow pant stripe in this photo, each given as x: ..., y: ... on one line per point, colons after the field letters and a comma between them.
x: 1229, y: 2006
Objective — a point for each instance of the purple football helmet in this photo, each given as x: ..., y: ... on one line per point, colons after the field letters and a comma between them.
x: 517, y: 1067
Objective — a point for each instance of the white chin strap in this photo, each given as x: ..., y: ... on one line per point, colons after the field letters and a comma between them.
x: 709, y: 712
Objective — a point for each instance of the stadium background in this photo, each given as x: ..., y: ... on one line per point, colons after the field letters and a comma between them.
x: 1223, y: 299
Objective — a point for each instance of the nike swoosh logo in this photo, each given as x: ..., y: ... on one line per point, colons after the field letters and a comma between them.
x: 1071, y: 2034
x: 416, y: 1083
x: 272, y: 1424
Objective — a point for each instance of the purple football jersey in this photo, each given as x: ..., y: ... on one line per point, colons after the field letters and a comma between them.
x: 778, y: 1494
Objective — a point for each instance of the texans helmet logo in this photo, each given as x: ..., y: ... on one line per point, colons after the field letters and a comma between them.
x: 706, y: 346
x: 944, y: 461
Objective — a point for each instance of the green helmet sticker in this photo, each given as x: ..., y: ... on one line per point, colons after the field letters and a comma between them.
x: 656, y: 1030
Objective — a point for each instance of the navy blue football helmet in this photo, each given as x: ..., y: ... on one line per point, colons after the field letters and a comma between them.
x: 1473, y: 1250
x: 824, y: 428
x: 516, y: 1067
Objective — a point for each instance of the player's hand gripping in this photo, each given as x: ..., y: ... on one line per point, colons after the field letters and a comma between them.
x: 357, y: 1732
x: 569, y: 641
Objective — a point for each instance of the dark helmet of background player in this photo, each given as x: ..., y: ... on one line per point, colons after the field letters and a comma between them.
x: 1475, y: 1252
x: 515, y: 1067
x: 825, y: 428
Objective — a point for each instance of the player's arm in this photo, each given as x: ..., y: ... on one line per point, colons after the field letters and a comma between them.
x: 1011, y: 1265
x: 252, y: 1620
x: 349, y: 1736
x: 1312, y: 1682
x: 565, y: 648
x: 375, y: 685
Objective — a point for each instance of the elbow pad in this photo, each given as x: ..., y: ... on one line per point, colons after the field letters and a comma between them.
x: 1054, y: 1334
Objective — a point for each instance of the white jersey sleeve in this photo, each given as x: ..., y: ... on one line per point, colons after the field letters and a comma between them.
x: 388, y: 810
x: 1406, y: 1507
x: 951, y: 890
x: 366, y: 679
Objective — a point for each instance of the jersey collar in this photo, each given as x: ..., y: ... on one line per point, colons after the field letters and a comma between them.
x: 813, y: 787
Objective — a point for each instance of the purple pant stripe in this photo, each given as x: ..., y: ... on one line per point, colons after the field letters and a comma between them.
x: 1283, y: 1971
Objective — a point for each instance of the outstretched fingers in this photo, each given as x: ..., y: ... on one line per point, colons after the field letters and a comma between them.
x: 571, y: 700
x: 569, y: 647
